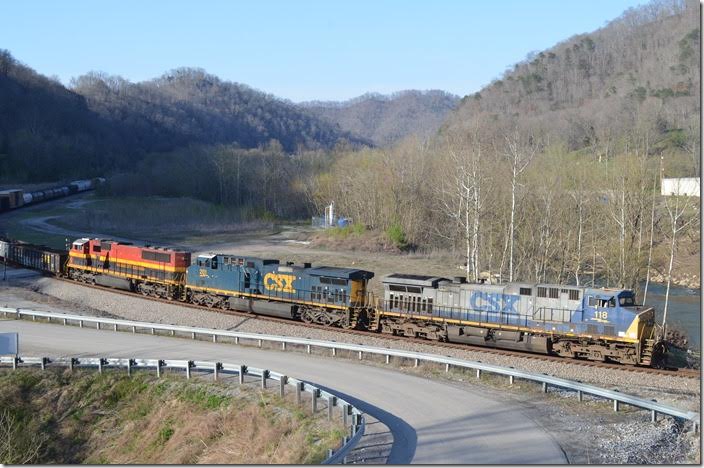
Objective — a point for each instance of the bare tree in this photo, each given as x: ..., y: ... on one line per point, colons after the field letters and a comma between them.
x: 461, y: 195
x: 682, y: 213
x: 519, y: 151
x: 17, y: 447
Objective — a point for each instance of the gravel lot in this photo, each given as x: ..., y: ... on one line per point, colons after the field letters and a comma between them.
x: 627, y: 437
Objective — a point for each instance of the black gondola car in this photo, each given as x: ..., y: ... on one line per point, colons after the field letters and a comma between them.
x: 34, y: 256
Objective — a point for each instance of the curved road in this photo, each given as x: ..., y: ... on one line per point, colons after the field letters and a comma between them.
x: 428, y: 421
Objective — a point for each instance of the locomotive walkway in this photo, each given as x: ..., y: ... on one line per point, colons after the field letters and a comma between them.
x: 410, y: 419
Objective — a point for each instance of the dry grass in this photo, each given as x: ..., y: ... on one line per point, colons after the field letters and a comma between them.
x: 109, y: 418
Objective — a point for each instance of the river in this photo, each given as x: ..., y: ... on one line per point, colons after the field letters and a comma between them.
x: 684, y: 309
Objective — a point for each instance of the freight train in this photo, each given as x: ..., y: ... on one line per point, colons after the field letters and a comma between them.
x: 570, y: 321
x: 16, y: 198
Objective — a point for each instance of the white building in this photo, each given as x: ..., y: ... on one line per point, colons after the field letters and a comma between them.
x: 688, y: 186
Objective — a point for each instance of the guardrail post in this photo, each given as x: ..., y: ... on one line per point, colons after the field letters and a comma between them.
x: 695, y: 427
x: 616, y: 405
x: 97, y: 325
x: 215, y: 338
x: 193, y: 335
x: 237, y: 340
x: 360, y: 355
x: 299, y: 388
x: 479, y: 373
x: 158, y: 368
x: 308, y: 349
x: 15, y: 360
x: 216, y: 368
x: 71, y: 363
x: 415, y: 363
x: 134, y: 329
x: 331, y: 405
x: 388, y: 358
x: 545, y: 387
x: 510, y: 380
x: 188, y: 369
x: 580, y: 396
x: 283, y: 345
x: 100, y: 365
x: 346, y: 409
x: 18, y: 314
x: 152, y: 331
x: 243, y: 370
x: 259, y: 343
x: 653, y: 416
x: 447, y: 368
x: 173, y: 332
x: 64, y: 321
x: 34, y: 318
x: 282, y: 385
x: 80, y: 324
x: 114, y: 327
x: 355, y: 423
x: 265, y: 374
x: 314, y: 400
x: 43, y: 363
x: 129, y: 368
x: 334, y: 352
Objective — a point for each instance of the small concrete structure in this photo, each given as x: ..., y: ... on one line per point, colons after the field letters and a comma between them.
x: 686, y: 186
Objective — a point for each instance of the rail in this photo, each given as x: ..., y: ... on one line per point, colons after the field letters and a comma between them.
x: 353, y: 418
x: 546, y: 380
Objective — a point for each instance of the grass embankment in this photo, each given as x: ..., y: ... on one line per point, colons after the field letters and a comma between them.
x: 356, y: 237
x: 57, y: 416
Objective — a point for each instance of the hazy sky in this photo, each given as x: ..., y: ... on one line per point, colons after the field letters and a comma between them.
x: 300, y: 50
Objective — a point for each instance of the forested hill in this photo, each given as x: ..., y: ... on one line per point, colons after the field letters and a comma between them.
x: 104, y: 123
x: 638, y: 74
x: 386, y: 119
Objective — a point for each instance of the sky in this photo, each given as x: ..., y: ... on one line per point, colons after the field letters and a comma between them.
x: 299, y: 50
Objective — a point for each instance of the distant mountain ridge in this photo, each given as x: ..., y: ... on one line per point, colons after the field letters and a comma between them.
x: 637, y: 77
x: 386, y: 119
x: 105, y: 122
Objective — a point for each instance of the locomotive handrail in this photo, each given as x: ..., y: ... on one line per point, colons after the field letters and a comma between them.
x: 356, y: 426
x: 547, y: 380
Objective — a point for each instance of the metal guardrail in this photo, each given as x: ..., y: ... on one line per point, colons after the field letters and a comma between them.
x: 547, y: 381
x: 353, y: 418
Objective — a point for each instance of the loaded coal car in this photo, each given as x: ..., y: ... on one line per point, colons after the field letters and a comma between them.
x: 37, y: 257
x: 571, y: 321
x: 151, y: 271
x: 324, y: 295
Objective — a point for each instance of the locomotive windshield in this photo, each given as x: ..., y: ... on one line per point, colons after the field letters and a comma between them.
x: 626, y: 299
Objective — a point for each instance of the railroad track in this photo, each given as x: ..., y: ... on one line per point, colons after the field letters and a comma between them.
x: 673, y: 372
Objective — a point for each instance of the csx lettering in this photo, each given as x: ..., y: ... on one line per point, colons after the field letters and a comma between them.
x: 280, y: 283
x: 492, y: 302
x: 203, y: 273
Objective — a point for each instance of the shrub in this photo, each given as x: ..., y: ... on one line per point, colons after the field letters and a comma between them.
x: 397, y: 235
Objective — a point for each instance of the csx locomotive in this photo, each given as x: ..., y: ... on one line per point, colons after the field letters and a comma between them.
x: 570, y: 321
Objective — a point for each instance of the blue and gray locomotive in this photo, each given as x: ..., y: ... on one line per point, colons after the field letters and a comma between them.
x: 324, y: 295
x: 571, y: 321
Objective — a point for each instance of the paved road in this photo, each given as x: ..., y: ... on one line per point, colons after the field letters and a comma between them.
x: 428, y: 421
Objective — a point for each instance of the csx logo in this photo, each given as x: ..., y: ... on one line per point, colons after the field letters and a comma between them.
x: 203, y: 273
x: 281, y: 283
x: 492, y: 302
